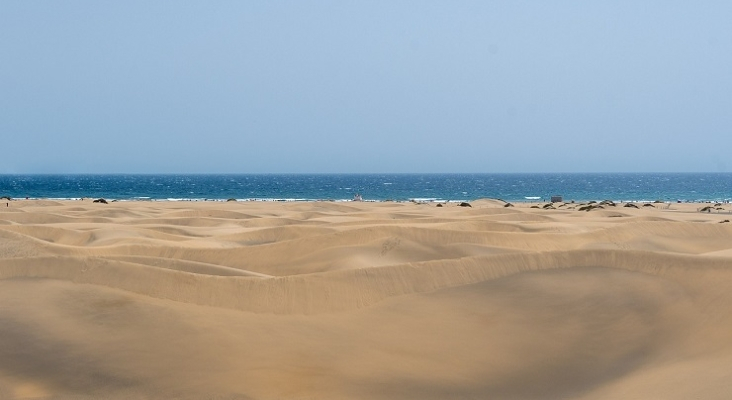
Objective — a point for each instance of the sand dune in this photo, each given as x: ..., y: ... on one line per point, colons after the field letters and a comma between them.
x: 245, y: 300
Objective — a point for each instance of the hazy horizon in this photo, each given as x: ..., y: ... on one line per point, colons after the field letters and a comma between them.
x: 365, y: 87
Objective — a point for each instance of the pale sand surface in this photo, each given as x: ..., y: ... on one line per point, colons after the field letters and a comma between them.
x: 325, y: 300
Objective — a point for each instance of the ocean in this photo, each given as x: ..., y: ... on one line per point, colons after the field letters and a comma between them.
x: 669, y: 187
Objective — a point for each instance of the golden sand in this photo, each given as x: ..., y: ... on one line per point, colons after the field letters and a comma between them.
x: 325, y: 300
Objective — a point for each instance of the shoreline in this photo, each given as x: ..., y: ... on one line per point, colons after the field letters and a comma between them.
x: 411, y: 200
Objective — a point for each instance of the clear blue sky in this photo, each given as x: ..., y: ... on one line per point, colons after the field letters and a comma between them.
x: 365, y: 86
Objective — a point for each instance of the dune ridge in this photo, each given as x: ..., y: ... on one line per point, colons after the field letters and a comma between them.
x: 340, y: 290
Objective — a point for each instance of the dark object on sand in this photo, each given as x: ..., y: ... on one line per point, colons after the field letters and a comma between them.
x: 630, y: 205
x: 100, y: 201
x: 722, y: 222
x: 649, y: 205
x: 590, y: 207
x: 534, y: 206
x: 607, y: 203
x: 231, y: 200
x: 548, y: 206
x: 508, y: 205
x: 706, y: 209
x: 6, y: 198
x: 439, y: 204
x: 464, y: 204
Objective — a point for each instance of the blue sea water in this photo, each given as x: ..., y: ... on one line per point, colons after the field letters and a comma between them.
x: 694, y: 187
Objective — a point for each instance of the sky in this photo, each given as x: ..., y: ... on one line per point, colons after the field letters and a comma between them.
x: 365, y: 86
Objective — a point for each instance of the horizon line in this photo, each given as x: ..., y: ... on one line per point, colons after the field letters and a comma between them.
x: 364, y: 173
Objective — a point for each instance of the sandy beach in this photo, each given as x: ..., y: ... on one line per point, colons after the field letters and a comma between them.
x: 356, y: 300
